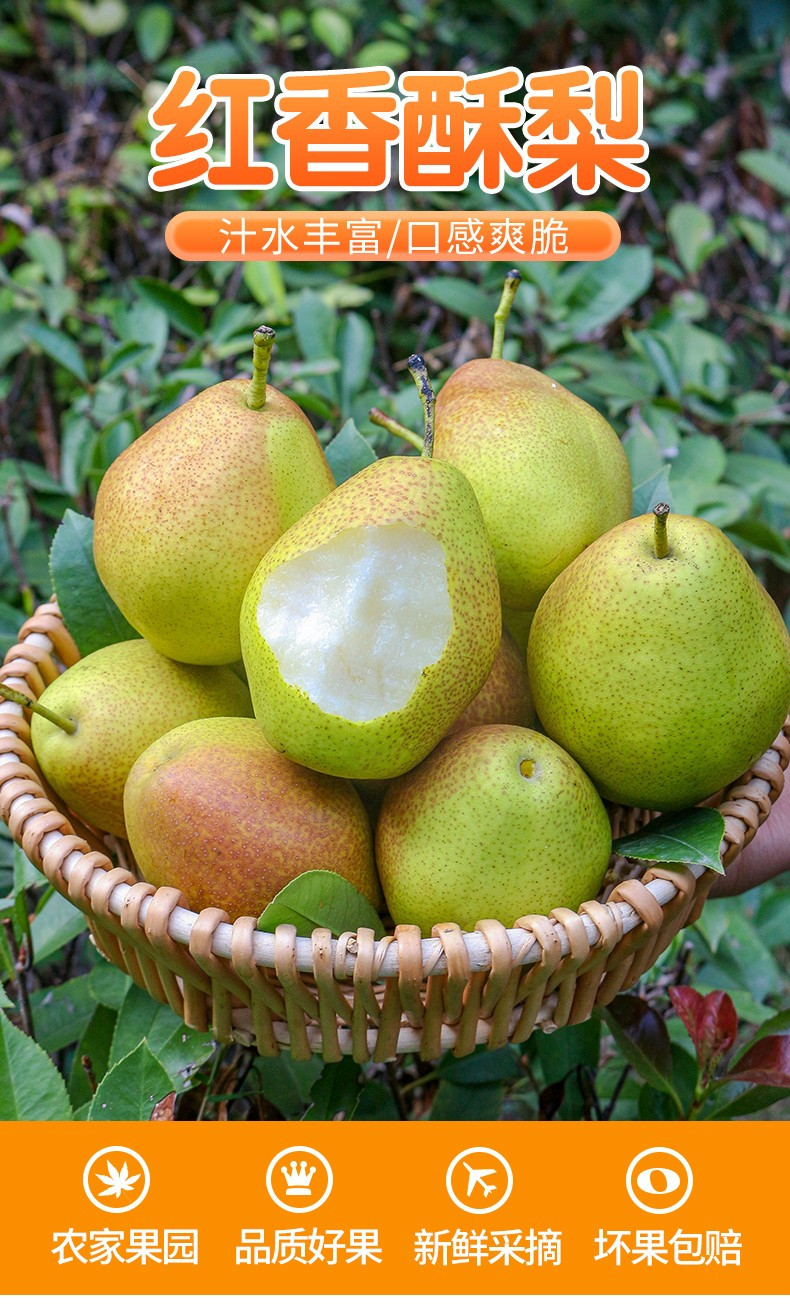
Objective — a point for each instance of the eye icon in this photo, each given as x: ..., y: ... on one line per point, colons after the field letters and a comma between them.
x: 659, y: 1180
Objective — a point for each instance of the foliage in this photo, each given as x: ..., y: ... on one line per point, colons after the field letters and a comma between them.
x: 680, y: 340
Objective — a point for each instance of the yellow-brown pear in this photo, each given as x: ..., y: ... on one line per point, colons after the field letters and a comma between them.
x: 213, y: 810
x: 185, y: 514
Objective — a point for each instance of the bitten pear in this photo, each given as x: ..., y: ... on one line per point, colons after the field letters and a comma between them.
x: 660, y: 663
x: 213, y: 810
x: 374, y: 621
x: 497, y: 823
x: 185, y: 514
x: 113, y: 704
x: 548, y: 470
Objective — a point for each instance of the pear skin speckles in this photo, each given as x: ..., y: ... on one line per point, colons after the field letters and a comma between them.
x: 550, y: 473
x: 665, y: 678
x: 185, y: 514
x: 213, y: 810
x: 122, y: 697
x: 428, y: 494
x: 496, y: 823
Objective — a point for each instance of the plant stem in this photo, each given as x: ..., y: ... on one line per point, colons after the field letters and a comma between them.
x: 262, y: 344
x: 419, y: 372
x: 395, y: 428
x: 16, y: 697
x: 660, y: 542
x: 503, y: 311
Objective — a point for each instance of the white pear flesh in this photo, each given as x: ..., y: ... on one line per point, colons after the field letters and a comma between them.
x: 355, y: 622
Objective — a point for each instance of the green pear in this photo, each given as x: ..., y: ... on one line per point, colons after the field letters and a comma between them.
x: 91, y: 724
x: 374, y: 621
x: 505, y: 697
x: 498, y: 822
x: 518, y: 623
x: 660, y: 663
x: 185, y: 514
x: 213, y: 810
x: 548, y: 470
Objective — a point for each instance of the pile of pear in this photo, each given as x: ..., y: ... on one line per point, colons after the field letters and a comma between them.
x: 323, y: 678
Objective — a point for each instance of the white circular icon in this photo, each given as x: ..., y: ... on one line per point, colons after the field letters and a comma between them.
x: 661, y: 1175
x: 293, y: 1181
x: 479, y: 1173
x: 116, y: 1173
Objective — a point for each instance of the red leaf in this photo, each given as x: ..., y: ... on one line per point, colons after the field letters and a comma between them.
x: 710, y: 1020
x: 765, y: 1063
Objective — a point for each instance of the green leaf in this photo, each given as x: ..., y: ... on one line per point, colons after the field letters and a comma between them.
x: 54, y: 926
x: 11, y: 620
x: 264, y: 281
x: 94, y: 1045
x: 348, y: 452
x: 103, y: 18
x: 337, y: 1090
x: 700, y: 458
x: 641, y: 1035
x: 31, y: 1087
x: 483, y: 1067
x: 691, y: 228
x: 467, y: 1103
x: 315, y: 324
x: 459, y: 296
x: 131, y: 1089
x: 602, y: 291
x: 653, y: 491
x: 185, y: 317
x: 356, y: 343
x: 753, y: 1100
x: 93, y: 619
x: 153, y: 28
x: 284, y: 1082
x: 61, y: 1013
x: 389, y: 54
x: 768, y: 167
x: 178, y: 1048
x: 693, y: 836
x: 60, y: 347
x: 44, y: 248
x: 320, y: 899
x: 332, y: 30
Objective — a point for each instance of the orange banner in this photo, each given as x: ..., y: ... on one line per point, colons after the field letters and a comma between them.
x: 503, y: 236
x: 499, y: 1208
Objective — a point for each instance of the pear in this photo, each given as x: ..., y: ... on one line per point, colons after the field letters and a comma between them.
x: 548, y: 470
x: 505, y: 696
x: 185, y: 514
x: 374, y: 621
x: 660, y: 663
x: 91, y: 724
x: 498, y: 822
x: 213, y: 810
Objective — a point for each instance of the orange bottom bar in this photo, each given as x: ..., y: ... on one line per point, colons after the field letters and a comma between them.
x: 365, y: 1207
x: 507, y: 236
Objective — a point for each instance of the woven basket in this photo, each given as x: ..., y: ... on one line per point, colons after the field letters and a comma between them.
x: 356, y: 995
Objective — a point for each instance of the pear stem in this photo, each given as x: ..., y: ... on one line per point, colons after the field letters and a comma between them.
x: 503, y: 311
x: 262, y: 345
x: 395, y: 428
x: 660, y: 542
x: 419, y: 372
x: 16, y: 697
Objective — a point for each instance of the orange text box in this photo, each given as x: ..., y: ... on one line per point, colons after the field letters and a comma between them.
x: 389, y: 1180
x: 505, y: 236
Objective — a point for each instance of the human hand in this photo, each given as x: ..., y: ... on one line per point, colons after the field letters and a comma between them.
x: 766, y: 856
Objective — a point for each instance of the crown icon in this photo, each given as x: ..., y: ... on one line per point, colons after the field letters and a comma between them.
x: 297, y: 1179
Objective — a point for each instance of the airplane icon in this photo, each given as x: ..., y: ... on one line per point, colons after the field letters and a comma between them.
x: 476, y: 1178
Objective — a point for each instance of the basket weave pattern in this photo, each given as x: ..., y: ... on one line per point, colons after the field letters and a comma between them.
x: 355, y: 995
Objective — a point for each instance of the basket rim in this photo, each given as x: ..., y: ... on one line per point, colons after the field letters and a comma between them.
x: 44, y: 639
